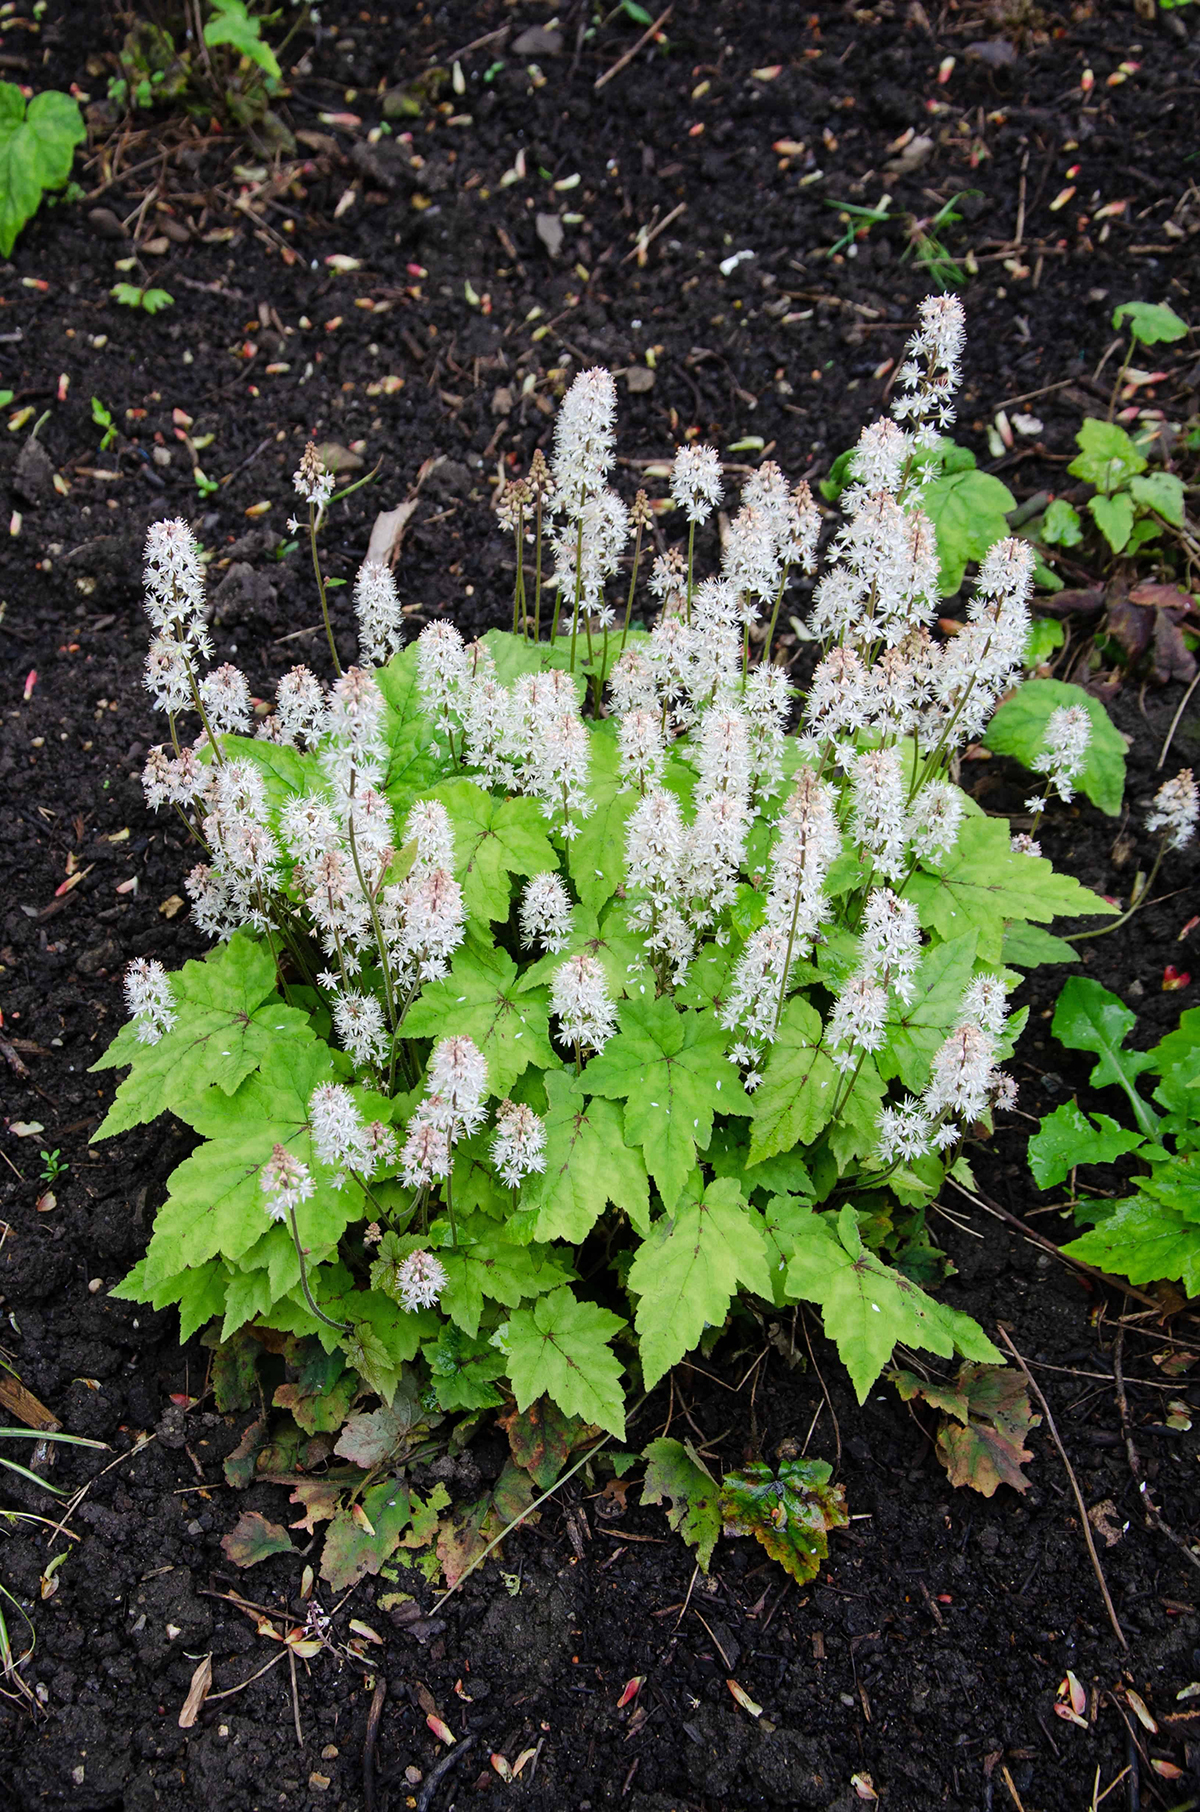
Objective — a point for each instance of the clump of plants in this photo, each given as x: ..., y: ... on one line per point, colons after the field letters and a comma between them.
x: 572, y: 996
x: 208, y: 57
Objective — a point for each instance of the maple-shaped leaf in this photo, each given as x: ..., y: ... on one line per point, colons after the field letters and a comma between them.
x: 670, y: 1069
x: 560, y: 1348
x: 541, y: 1439
x: 227, y: 1018
x: 484, y: 998
x: 1068, y: 1137
x: 687, y: 1272
x: 790, y: 1513
x: 253, y: 1539
x: 986, y: 1416
x: 361, y: 1539
x: 867, y: 1306
x: 607, y: 938
x: 917, y: 1030
x: 588, y: 1165
x: 676, y: 1474
x: 493, y: 840
x: 463, y: 1371
x: 486, y: 1263
x: 983, y: 882
x: 596, y: 854
x: 798, y: 1092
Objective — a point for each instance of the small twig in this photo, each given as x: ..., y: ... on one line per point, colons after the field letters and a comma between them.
x: 629, y: 55
x: 688, y: 1599
x: 230, y: 1690
x: 1008, y: 1779
x: 1036, y: 1388
x: 837, y: 1465
x: 373, y: 1717
x: 644, y: 244
x: 1170, y: 737
x: 291, y: 1655
x: 435, y: 1777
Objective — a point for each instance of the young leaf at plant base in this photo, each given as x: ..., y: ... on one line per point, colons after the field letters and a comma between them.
x: 37, y: 149
x: 790, y: 1513
x: 676, y: 1474
x: 1069, y: 1137
x: 1088, y: 1018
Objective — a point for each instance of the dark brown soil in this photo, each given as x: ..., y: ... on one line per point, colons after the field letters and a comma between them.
x: 935, y: 1671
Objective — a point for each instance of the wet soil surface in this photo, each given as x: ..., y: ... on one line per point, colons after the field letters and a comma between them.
x: 928, y: 1653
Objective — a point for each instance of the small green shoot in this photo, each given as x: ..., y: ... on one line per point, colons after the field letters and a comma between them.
x: 102, y: 416
x: 150, y: 301
x: 53, y: 1166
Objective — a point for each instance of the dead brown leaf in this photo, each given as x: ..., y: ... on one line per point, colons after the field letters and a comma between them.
x: 196, y: 1694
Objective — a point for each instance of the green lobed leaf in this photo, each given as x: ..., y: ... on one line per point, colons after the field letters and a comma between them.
x: 796, y: 1097
x: 675, y: 1474
x: 1180, y: 1051
x: 493, y: 839
x: 1113, y: 516
x: 588, y: 1165
x: 596, y: 855
x: 464, y: 1371
x: 1150, y: 322
x: 1028, y: 947
x: 789, y: 1513
x: 353, y: 1548
x: 1161, y: 492
x: 1061, y: 527
x: 1019, y: 728
x: 687, y: 1272
x: 867, y: 1307
x: 485, y: 998
x: 1107, y: 456
x: 559, y: 1348
x: 1153, y: 1235
x: 983, y: 882
x: 254, y: 1539
x: 199, y: 1291
x: 670, y: 1068
x: 37, y: 149
x: 619, y: 951
x: 1068, y: 1137
x: 1088, y: 1018
x: 488, y: 1264
x: 234, y: 25
x: 916, y: 1032
x: 228, y: 1018
x: 969, y: 511
x: 322, y: 1392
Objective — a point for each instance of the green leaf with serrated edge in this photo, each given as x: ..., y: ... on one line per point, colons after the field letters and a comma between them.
x: 401, y: 1332
x: 487, y: 1263
x: 247, y: 1294
x: 728, y: 1155
x: 416, y: 760
x: 1107, y: 457
x: 541, y: 1439
x: 1088, y: 1018
x: 789, y: 1513
x: 254, y: 1539
x: 674, y: 1476
x: 797, y: 1094
x: 596, y: 856
x: 215, y: 1200
x: 917, y: 1030
x: 969, y: 512
x: 688, y: 1271
x: 1179, y: 1051
x: 1019, y: 728
x: 588, y: 1165
x: 1145, y: 1241
x: 37, y: 149
x: 1150, y: 322
x: 199, y: 1291
x: 1113, y: 516
x: 463, y: 1371
x: 228, y: 1017
x: 670, y: 1068
x: 493, y: 840
x: 855, y: 1132
x: 234, y: 25
x: 867, y: 1307
x: 947, y: 1397
x: 619, y: 951
x: 1061, y: 527
x: 484, y: 997
x: 1028, y: 947
x: 983, y: 882
x: 285, y: 771
x: 559, y: 1348
x: 1161, y: 492
x: 784, y: 1220
x: 354, y: 1549
x: 1068, y: 1137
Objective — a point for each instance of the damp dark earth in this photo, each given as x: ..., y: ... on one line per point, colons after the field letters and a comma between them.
x: 572, y: 189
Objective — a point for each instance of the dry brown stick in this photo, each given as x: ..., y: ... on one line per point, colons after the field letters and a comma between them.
x: 373, y: 1717
x: 643, y: 245
x: 645, y: 38
x: 1154, y: 1516
x: 291, y: 1655
x: 1039, y: 1239
x: 1070, y: 1471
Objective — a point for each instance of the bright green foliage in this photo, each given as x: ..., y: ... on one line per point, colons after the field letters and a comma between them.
x: 596, y: 857
x: 1061, y: 528
x: 790, y: 1513
x: 676, y: 1474
x: 488, y: 1264
x: 484, y: 998
x: 1088, y: 1018
x: 464, y: 1371
x: 669, y: 1067
x: 969, y: 510
x: 1131, y: 503
x: 1107, y: 457
x: 687, y: 1272
x: 150, y: 301
x: 1028, y: 946
x: 494, y: 839
x: 37, y: 149
x: 1150, y: 322
x: 228, y: 1017
x: 1161, y: 492
x: 796, y: 1097
x: 867, y: 1307
x: 560, y: 1346
x: 919, y: 1027
x: 982, y: 884
x: 588, y: 1165
x: 233, y: 24
x: 1068, y: 1137
x: 1019, y: 728
x: 1154, y: 1233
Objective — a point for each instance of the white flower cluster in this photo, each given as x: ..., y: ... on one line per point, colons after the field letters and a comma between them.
x: 963, y: 1085
x: 1063, y: 754
x: 1175, y: 810
x: 148, y: 997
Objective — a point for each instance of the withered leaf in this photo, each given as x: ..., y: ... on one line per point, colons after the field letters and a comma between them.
x: 1173, y: 659
x: 541, y: 1439
x: 790, y: 1513
x: 988, y: 1449
x: 253, y: 1539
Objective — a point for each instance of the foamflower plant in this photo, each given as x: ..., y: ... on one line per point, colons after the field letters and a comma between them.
x: 574, y: 984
